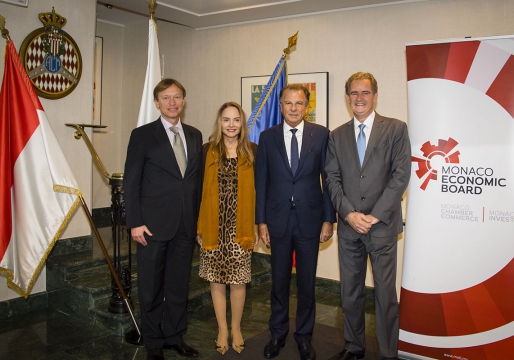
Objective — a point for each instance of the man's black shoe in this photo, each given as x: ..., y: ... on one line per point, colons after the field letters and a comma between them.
x: 307, y: 352
x: 346, y: 355
x: 183, y: 349
x: 272, y: 348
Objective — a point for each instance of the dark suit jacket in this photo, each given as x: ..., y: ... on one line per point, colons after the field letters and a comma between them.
x: 275, y: 184
x: 156, y: 195
x: 377, y: 187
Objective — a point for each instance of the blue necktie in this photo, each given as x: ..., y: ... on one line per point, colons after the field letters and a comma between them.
x: 294, y: 152
x: 361, y: 143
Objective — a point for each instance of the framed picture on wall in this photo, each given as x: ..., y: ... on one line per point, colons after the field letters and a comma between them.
x: 317, y: 83
x: 24, y: 3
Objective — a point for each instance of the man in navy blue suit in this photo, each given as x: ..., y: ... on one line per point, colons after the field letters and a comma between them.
x: 293, y: 213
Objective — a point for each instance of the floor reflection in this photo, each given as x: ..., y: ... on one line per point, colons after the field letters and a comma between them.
x: 49, y: 334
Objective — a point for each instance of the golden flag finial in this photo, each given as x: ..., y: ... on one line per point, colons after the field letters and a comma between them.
x: 291, y: 42
x: 5, y: 32
x: 151, y: 8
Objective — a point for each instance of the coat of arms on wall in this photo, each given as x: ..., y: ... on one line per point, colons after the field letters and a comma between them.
x: 51, y: 58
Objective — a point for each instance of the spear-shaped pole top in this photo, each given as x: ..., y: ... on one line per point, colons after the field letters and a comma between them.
x: 151, y: 8
x: 290, y: 43
x: 5, y: 32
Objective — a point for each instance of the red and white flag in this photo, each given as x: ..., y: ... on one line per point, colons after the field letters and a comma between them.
x: 38, y: 192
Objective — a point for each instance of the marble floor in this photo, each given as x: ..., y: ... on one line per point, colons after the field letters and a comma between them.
x: 51, y: 335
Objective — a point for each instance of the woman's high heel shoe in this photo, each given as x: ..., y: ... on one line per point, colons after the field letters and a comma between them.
x: 238, y: 348
x: 222, y: 349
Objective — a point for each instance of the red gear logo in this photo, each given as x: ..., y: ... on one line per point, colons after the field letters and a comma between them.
x: 431, y: 153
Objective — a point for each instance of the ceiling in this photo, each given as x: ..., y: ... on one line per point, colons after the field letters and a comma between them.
x: 201, y: 14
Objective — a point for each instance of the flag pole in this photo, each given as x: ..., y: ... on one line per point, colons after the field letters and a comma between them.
x: 276, y: 82
x: 291, y: 41
x: 109, y: 263
x: 151, y: 8
x: 116, y: 182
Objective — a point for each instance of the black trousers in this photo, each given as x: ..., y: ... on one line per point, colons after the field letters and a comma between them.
x: 307, y: 250
x: 164, y: 269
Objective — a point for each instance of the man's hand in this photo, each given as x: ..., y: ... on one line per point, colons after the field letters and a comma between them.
x: 326, y: 232
x: 372, y: 219
x: 263, y: 234
x: 359, y: 222
x: 138, y: 234
x: 256, y: 241
x: 199, y: 239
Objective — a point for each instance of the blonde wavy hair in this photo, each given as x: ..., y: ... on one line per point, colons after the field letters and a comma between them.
x: 243, y: 149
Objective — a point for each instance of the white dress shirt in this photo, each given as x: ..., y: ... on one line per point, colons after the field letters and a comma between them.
x: 288, y: 135
x: 367, y: 129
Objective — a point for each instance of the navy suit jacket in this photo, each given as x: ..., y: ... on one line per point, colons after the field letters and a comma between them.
x: 156, y: 194
x: 275, y: 185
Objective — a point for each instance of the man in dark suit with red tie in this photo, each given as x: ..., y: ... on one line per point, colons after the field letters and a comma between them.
x: 293, y: 213
x: 162, y: 182
x: 368, y: 168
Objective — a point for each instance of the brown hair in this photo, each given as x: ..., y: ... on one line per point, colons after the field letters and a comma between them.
x: 243, y: 144
x: 166, y: 83
x: 296, y: 87
x: 361, y: 76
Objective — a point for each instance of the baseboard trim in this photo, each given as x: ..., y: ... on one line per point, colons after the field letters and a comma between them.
x: 18, y: 306
x: 72, y: 245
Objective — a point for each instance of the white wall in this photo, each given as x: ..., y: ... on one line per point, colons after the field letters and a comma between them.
x: 107, y: 142
x: 210, y: 63
x: 76, y: 107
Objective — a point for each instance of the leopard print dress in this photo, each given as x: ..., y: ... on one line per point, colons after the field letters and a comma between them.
x: 228, y: 263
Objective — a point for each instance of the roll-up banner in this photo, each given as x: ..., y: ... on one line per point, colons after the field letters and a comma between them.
x: 457, y: 297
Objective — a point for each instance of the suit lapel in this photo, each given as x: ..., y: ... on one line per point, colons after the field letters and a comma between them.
x: 190, y: 144
x: 352, y: 141
x: 307, y: 138
x: 170, y: 162
x: 376, y: 130
x: 278, y: 135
